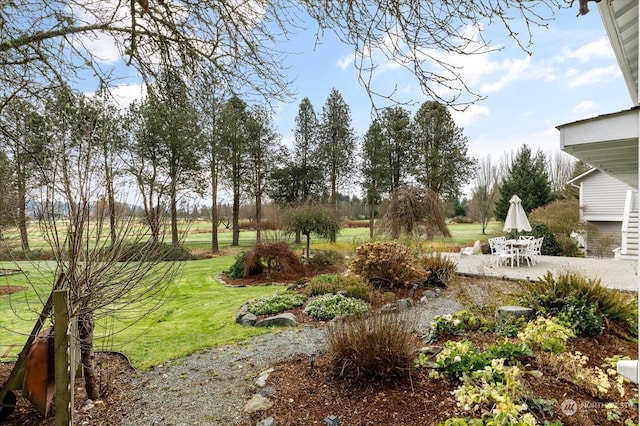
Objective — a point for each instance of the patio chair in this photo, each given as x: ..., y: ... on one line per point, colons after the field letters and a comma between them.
x: 471, y: 250
x: 532, y: 252
x: 493, y: 244
x: 504, y: 253
x: 527, y: 237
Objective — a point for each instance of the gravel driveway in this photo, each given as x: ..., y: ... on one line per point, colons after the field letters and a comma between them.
x: 212, y: 387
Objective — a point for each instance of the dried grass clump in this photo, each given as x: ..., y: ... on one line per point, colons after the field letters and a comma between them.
x: 374, y: 347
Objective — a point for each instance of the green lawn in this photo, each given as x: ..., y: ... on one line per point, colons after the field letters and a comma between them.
x: 198, y: 311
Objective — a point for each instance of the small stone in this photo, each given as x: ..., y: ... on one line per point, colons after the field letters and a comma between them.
x: 430, y: 350
x: 404, y: 304
x: 257, y: 403
x: 269, y: 421
x: 430, y: 294
x: 266, y: 391
x: 262, y: 378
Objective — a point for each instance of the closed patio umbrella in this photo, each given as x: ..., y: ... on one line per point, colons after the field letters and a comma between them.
x: 516, y: 217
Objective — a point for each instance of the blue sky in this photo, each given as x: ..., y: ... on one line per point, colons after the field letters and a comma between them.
x: 572, y: 75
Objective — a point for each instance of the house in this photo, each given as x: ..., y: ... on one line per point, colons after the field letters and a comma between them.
x: 610, y: 207
x: 610, y: 142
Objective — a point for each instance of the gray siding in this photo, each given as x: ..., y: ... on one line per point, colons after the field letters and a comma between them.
x: 603, y: 197
x: 607, y: 236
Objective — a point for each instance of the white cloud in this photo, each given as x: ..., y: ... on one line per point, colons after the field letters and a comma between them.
x: 345, y: 62
x: 581, y: 78
x: 600, y: 48
x: 124, y: 94
x: 585, y: 108
x: 470, y: 115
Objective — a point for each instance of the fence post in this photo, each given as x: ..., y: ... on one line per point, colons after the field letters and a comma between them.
x: 64, y: 374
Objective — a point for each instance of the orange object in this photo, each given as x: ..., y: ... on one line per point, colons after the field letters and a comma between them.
x: 38, y: 385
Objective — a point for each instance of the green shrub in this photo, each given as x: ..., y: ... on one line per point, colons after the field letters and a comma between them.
x: 581, y: 316
x: 237, y: 269
x: 154, y: 251
x: 546, y: 334
x: 510, y: 351
x: 276, y: 303
x: 550, y: 246
x: 348, y: 285
x: 457, y: 359
x: 453, y: 324
x: 374, y: 347
x: 330, y: 306
x: 326, y: 258
x: 440, y: 269
x: 386, y: 264
x: 549, y: 296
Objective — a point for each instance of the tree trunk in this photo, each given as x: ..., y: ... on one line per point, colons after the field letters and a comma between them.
x: 86, y: 325
x: 298, y: 239
x: 22, y: 218
x: 174, y: 214
x: 308, y: 234
x: 371, y: 217
x: 235, y: 241
x: 215, y: 248
x: 258, y: 218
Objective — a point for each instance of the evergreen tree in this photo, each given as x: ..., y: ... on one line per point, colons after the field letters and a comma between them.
x: 527, y: 177
x: 336, y: 145
x: 442, y: 164
x: 375, y: 169
x: 396, y: 127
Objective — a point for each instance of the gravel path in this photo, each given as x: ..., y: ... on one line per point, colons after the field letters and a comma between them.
x: 212, y: 387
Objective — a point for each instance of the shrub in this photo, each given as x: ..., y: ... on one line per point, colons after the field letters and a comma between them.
x: 458, y: 359
x: 348, y: 285
x: 386, y: 263
x: 374, y: 347
x: 327, y: 257
x: 561, y: 218
x: 154, y: 251
x: 440, y: 269
x: 581, y: 315
x: 453, y: 324
x: 276, y: 303
x: 237, y: 269
x: 272, y: 256
x: 550, y: 246
x: 546, y: 334
x: 510, y: 351
x: 549, y: 296
x: 330, y: 306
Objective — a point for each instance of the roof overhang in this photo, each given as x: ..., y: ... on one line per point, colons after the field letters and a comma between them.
x: 607, y: 142
x: 620, y: 19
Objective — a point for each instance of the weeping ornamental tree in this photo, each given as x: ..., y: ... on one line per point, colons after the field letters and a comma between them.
x: 410, y: 209
x: 312, y: 219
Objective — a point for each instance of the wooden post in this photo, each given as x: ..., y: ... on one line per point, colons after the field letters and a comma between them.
x: 63, y: 372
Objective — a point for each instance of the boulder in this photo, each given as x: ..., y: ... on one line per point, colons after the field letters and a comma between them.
x: 511, y: 313
x: 283, y: 320
x: 244, y: 309
x: 248, y: 320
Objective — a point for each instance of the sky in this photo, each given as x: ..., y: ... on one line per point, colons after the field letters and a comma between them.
x: 572, y: 74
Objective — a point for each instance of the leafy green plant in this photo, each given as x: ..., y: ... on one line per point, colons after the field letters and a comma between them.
x: 510, y: 326
x: 330, y: 306
x: 453, y: 324
x: 458, y: 359
x: 348, y: 285
x: 276, y: 303
x: 510, y: 351
x: 582, y: 316
x: 546, y: 334
x: 550, y: 293
x: 550, y: 246
x: 440, y: 269
x: 374, y: 346
x: 236, y: 270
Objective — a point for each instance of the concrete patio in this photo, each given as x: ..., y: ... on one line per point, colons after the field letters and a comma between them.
x: 620, y: 274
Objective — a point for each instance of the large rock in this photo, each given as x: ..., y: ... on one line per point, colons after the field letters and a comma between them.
x: 283, y: 320
x: 248, y: 319
x: 510, y: 313
x: 244, y: 309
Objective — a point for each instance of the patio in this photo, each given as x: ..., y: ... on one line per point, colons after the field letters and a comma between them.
x: 620, y: 274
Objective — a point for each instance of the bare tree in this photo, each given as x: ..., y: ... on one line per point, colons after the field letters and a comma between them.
x: 105, y: 277
x: 560, y: 169
x: 45, y: 43
x: 484, y: 192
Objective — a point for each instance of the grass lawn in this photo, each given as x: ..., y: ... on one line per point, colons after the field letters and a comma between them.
x: 198, y: 312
